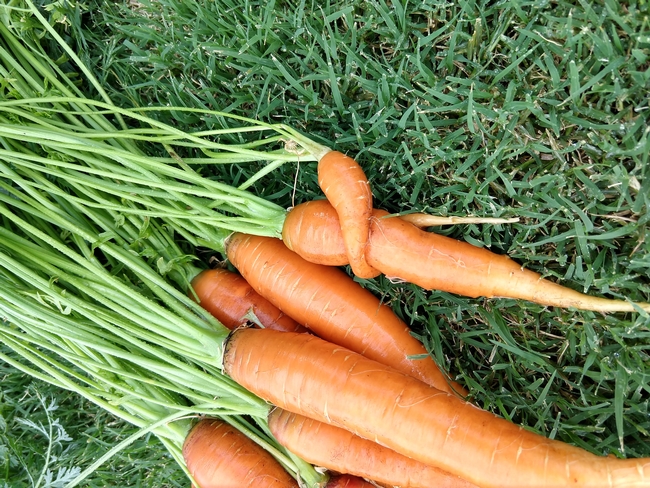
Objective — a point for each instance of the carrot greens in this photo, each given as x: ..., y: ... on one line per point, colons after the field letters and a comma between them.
x: 87, y: 296
x: 103, y: 322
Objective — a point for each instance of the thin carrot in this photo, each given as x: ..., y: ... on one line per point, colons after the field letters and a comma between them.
x: 346, y: 187
x: 307, y: 375
x: 331, y: 304
x: 402, y: 251
x: 340, y: 450
x: 423, y: 220
x: 219, y: 456
x: 229, y: 298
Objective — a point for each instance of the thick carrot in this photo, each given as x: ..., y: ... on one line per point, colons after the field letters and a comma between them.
x: 219, y: 456
x: 340, y: 450
x: 331, y: 304
x: 229, y: 298
x: 307, y: 375
x: 313, y: 230
x: 346, y: 187
x: 402, y: 251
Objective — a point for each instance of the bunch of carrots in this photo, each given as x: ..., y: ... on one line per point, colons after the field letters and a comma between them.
x: 338, y: 367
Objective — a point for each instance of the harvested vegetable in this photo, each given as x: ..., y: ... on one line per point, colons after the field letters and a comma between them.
x: 88, y: 157
x: 232, y: 301
x: 87, y: 298
x: 402, y: 251
x: 346, y: 187
x: 219, y: 456
x: 330, y: 303
x: 423, y: 220
x: 312, y: 377
x: 340, y: 450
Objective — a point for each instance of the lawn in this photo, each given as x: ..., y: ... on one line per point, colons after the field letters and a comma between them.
x: 536, y: 110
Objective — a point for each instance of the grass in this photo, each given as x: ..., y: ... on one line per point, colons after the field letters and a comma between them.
x: 80, y: 433
x: 529, y: 109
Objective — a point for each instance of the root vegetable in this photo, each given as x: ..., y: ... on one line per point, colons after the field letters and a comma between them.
x: 312, y: 377
x: 219, y: 456
x: 404, y: 252
x: 229, y: 298
x: 331, y: 304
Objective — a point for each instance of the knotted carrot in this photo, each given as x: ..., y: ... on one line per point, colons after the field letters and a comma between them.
x: 404, y: 252
x: 229, y: 298
x: 340, y: 450
x: 331, y: 304
x: 219, y: 456
x: 346, y: 187
x: 309, y: 376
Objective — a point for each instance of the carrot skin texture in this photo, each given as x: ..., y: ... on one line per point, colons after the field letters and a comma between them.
x: 340, y: 450
x: 347, y: 481
x: 307, y: 375
x: 331, y: 304
x: 346, y: 187
x: 441, y: 263
x: 402, y: 251
x: 228, y: 297
x: 219, y: 456
x: 312, y: 229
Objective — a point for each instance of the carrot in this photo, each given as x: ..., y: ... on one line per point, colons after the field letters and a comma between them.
x: 331, y: 304
x: 340, y: 450
x: 402, y: 251
x: 423, y: 220
x: 346, y: 187
x: 313, y: 230
x: 229, y: 298
x: 219, y: 456
x: 307, y: 375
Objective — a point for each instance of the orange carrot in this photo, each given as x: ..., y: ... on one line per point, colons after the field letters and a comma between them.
x: 331, y: 304
x: 313, y: 230
x: 229, y: 298
x: 402, y: 251
x: 340, y: 450
x: 307, y: 375
x: 346, y: 187
x: 219, y: 456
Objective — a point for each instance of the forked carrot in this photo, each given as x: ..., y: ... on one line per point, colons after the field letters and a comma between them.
x: 331, y: 304
x: 219, y: 456
x: 340, y: 450
x: 402, y: 251
x: 229, y: 298
x: 346, y: 187
x: 307, y: 375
